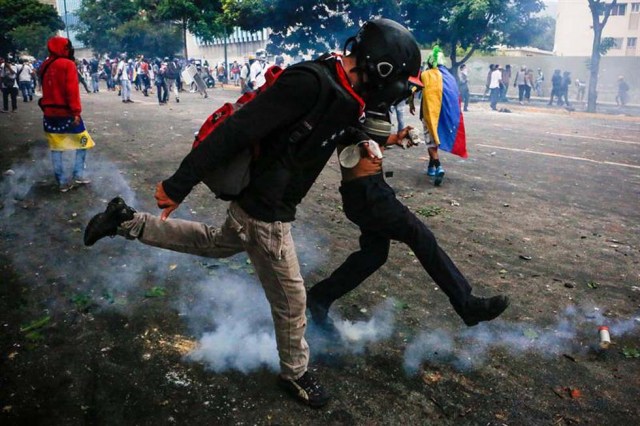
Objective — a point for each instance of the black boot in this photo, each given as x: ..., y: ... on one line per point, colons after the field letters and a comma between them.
x: 319, y: 311
x: 320, y: 317
x: 478, y: 309
x: 106, y: 224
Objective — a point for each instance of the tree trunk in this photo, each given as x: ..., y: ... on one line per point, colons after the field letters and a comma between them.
x: 184, y: 38
x: 594, y: 70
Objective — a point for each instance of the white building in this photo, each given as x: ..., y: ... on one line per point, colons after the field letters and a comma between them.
x: 574, y: 35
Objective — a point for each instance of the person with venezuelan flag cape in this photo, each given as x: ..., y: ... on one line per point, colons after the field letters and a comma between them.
x: 441, y: 114
x: 60, y: 104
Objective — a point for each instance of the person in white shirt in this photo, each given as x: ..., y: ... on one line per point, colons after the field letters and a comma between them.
x: 494, y: 87
x: 245, y: 72
x: 9, y: 83
x: 25, y: 80
x: 256, y: 77
x: 125, y: 75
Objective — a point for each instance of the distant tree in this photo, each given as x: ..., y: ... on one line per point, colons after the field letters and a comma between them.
x: 600, y: 12
x: 32, y: 39
x: 472, y: 25
x: 545, y: 33
x: 307, y: 26
x: 99, y: 22
x: 15, y: 15
x: 204, y: 18
x: 149, y: 39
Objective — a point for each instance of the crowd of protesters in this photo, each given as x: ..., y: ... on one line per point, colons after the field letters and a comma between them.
x: 527, y: 82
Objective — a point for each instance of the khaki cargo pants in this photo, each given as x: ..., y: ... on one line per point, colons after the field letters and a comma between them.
x: 272, y: 252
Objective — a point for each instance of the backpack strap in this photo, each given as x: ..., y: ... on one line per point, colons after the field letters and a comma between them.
x: 304, y: 128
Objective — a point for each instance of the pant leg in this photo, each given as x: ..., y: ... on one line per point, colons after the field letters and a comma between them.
x: 272, y: 252
x: 493, y: 96
x: 78, y: 167
x: 400, y: 115
x: 413, y: 232
x: 167, y: 82
x: 388, y: 217
x: 175, y: 89
x: 5, y: 99
x: 14, y: 98
x: 166, y: 92
x: 126, y: 90
x: 24, y: 88
x: 58, y: 167
x: 373, y: 253
x: 184, y: 236
x: 521, y: 92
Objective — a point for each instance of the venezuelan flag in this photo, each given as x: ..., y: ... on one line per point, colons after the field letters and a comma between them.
x: 441, y: 110
x: 63, y: 135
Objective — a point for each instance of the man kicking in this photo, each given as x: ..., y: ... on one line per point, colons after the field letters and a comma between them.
x: 369, y: 202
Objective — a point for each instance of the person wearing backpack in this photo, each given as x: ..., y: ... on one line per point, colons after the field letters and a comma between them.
x: 170, y: 77
x: 296, y: 123
x: 245, y: 73
x: 9, y: 78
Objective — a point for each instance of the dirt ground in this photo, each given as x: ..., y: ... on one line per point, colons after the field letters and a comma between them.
x: 546, y: 210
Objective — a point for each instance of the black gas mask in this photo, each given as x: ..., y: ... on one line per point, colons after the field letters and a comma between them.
x: 377, y: 125
x: 383, y: 97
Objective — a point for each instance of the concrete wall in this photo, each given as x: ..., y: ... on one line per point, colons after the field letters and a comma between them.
x: 610, y: 69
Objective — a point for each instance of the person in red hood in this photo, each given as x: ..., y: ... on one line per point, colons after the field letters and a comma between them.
x: 61, y: 106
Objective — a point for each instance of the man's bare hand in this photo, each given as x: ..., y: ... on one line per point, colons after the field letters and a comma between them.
x: 164, y: 202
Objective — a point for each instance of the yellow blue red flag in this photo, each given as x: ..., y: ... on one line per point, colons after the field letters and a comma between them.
x: 63, y: 135
x: 441, y: 110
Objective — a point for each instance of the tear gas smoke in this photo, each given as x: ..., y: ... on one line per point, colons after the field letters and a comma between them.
x: 42, y: 234
x: 243, y: 338
x: 575, y: 331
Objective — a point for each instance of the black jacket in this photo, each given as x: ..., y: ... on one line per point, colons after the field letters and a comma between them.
x: 284, y: 171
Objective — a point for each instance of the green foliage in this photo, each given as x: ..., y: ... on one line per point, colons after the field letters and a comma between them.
x: 544, y: 34
x: 306, y: 26
x: 82, y: 301
x: 605, y: 44
x: 32, y: 39
x: 630, y: 352
x: 430, y: 211
x: 35, y: 324
x: 99, y: 22
x: 156, y: 292
x: 15, y: 14
x: 148, y: 27
x: 474, y: 24
x: 149, y: 39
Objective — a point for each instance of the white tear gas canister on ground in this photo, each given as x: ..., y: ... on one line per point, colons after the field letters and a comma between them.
x: 605, y: 338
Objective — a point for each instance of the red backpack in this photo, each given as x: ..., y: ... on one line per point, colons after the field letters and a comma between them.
x: 228, y: 181
x: 227, y: 110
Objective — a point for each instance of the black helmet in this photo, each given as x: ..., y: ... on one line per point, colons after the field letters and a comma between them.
x: 385, y: 50
x: 388, y: 54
